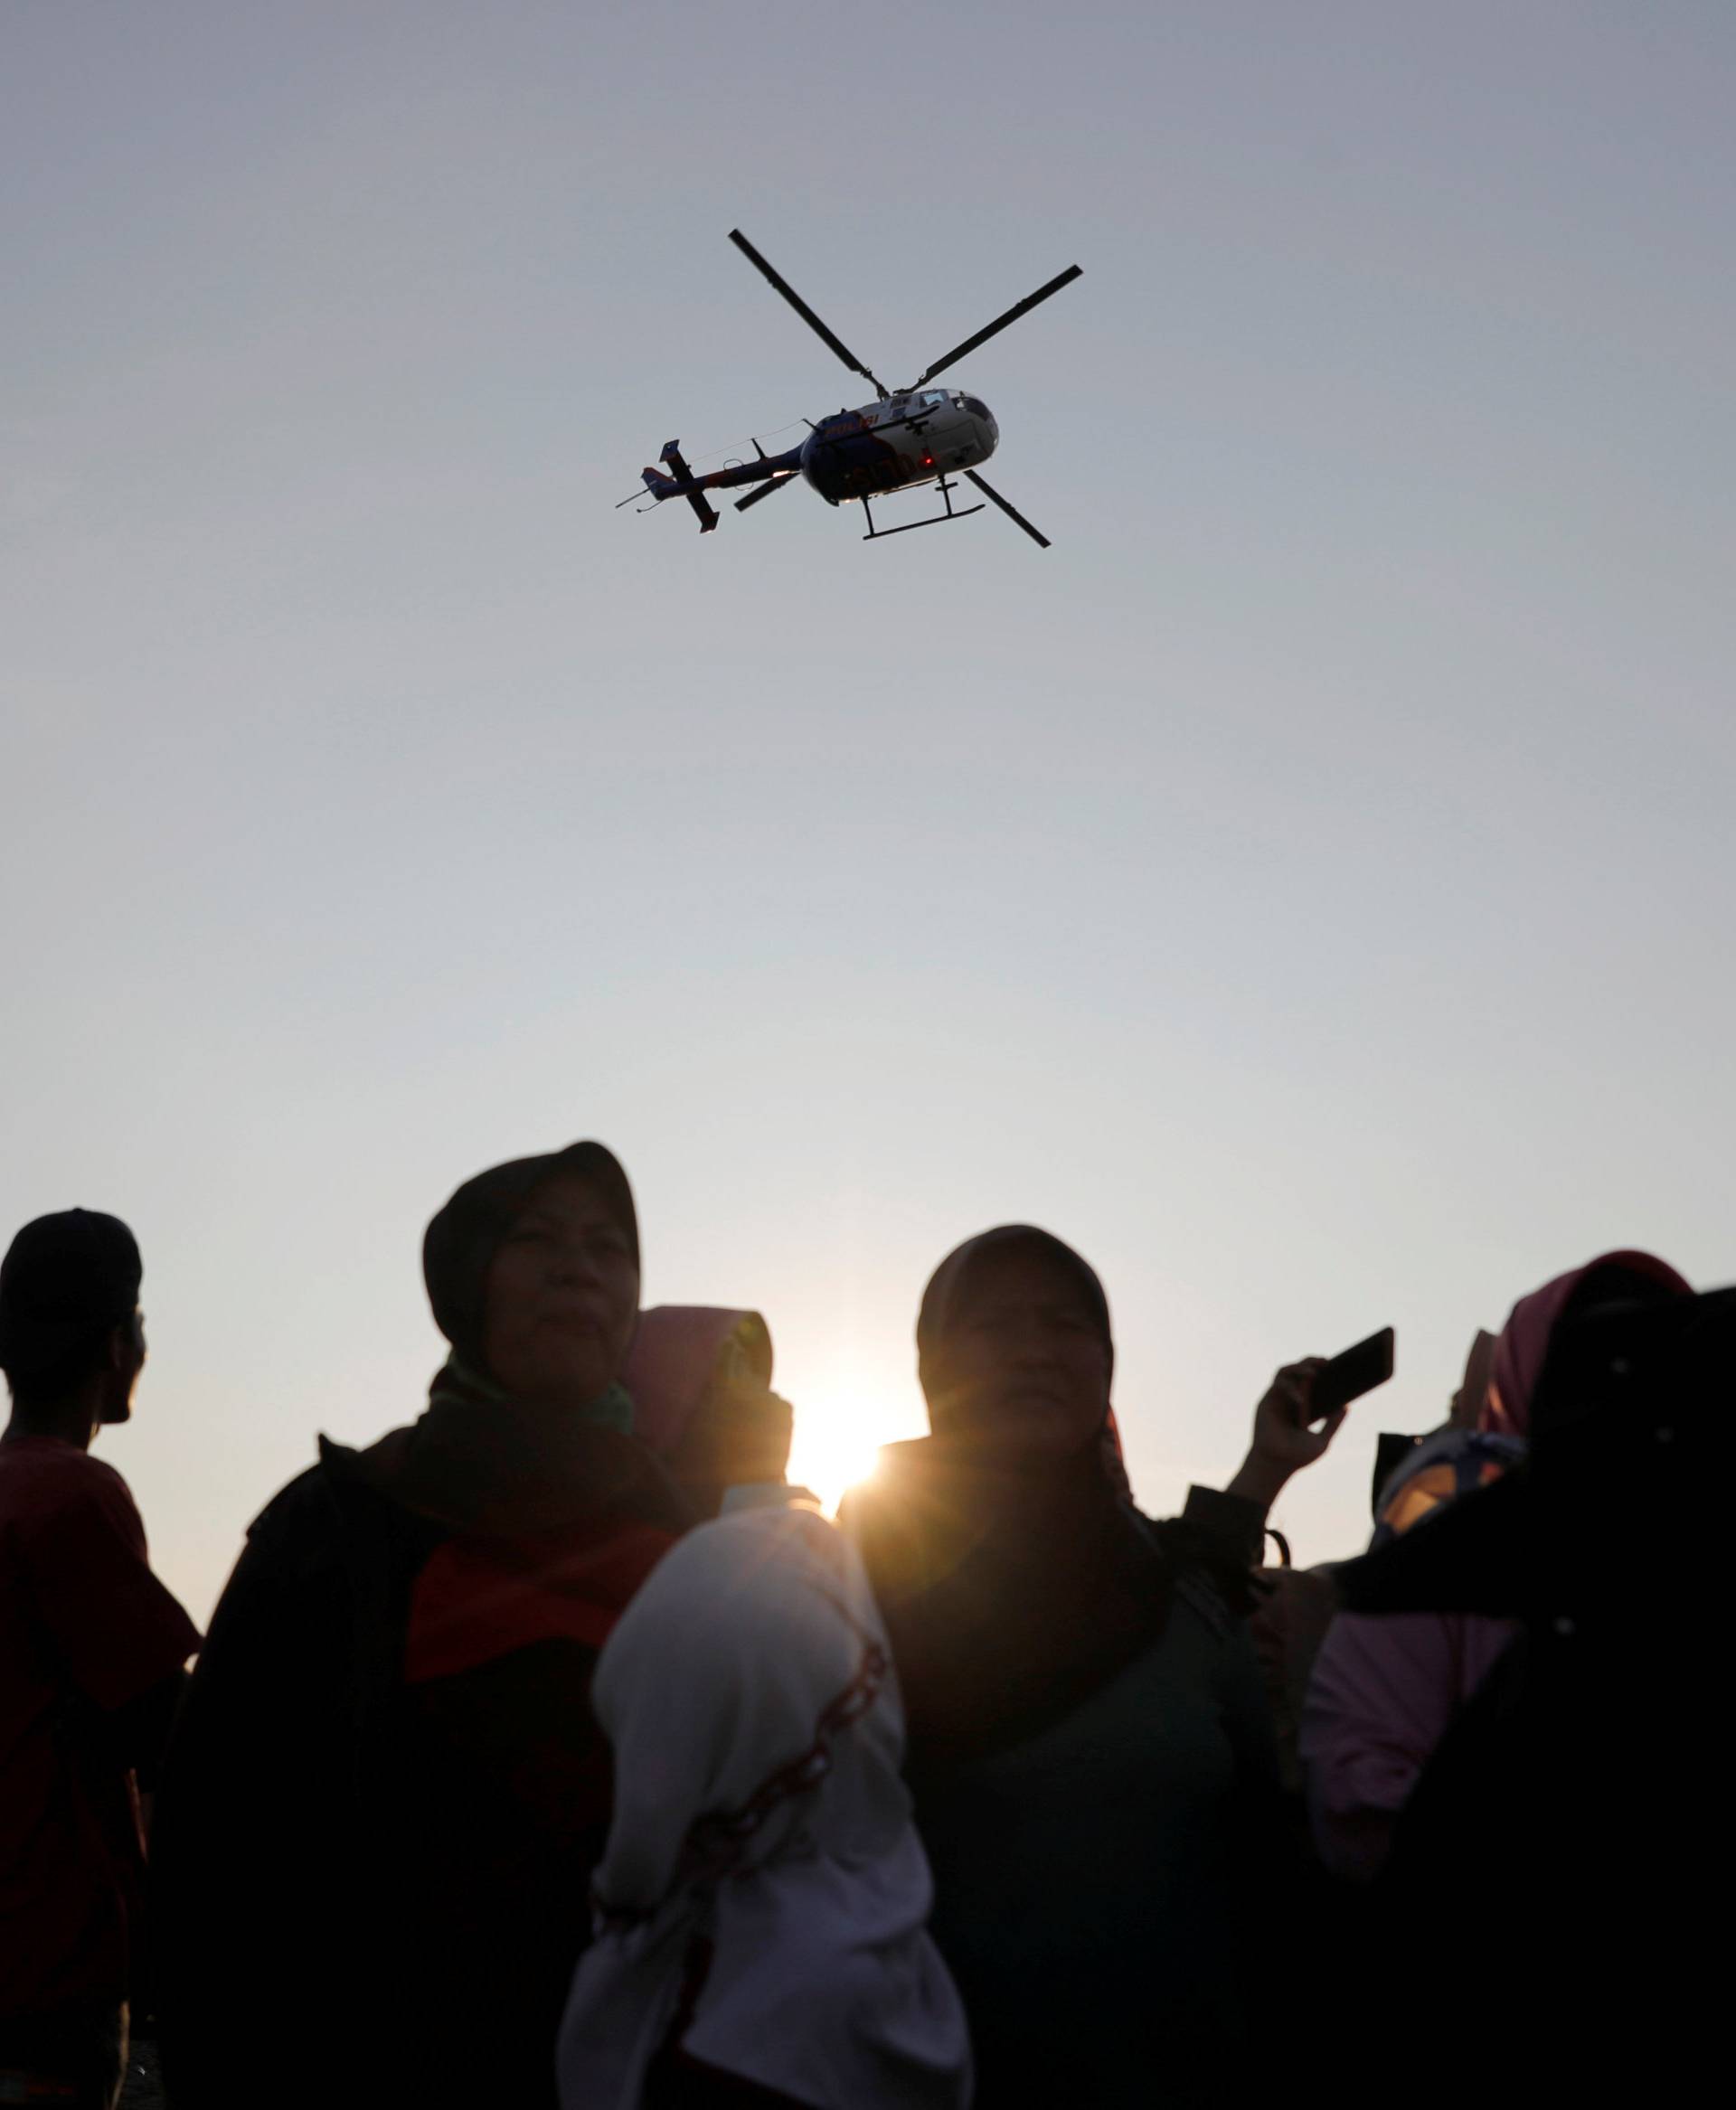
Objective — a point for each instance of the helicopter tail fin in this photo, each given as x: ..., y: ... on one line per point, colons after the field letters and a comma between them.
x: 681, y: 485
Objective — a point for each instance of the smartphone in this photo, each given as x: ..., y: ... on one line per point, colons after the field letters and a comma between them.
x: 1348, y: 1376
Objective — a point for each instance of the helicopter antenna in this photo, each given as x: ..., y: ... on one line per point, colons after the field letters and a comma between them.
x: 1012, y: 315
x: 819, y: 328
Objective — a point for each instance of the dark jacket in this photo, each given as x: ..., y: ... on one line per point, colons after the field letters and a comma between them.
x: 1097, y: 1795
x: 384, y: 1801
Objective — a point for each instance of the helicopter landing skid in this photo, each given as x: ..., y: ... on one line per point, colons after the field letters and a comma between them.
x: 946, y: 489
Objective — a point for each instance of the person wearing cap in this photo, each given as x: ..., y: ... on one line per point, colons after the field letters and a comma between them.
x: 388, y: 1792
x: 1090, y: 1747
x: 92, y: 1648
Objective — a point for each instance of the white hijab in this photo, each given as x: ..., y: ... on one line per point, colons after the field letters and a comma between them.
x: 749, y: 1697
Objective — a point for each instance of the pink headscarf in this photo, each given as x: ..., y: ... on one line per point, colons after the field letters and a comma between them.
x: 1386, y: 1688
x: 1524, y: 1344
x: 674, y: 1357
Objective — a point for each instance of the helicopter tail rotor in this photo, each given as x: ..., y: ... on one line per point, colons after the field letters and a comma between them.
x: 681, y: 485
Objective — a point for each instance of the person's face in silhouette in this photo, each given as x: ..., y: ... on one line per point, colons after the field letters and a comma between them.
x: 121, y: 1370
x: 562, y: 1293
x: 1025, y: 1367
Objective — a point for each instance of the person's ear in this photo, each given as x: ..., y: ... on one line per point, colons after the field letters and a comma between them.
x: 126, y: 1343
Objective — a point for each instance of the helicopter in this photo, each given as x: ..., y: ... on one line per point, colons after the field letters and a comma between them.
x: 907, y: 438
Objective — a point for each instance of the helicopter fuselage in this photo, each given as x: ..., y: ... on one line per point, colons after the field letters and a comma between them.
x: 894, y: 445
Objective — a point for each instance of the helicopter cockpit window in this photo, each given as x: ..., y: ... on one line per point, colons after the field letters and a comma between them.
x: 933, y: 398
x: 975, y: 405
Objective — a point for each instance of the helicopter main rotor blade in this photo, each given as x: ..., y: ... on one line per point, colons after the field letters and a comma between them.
x: 1012, y: 315
x: 803, y: 309
x: 765, y: 490
x: 1011, y: 511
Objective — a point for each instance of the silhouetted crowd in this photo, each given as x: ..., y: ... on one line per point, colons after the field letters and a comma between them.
x: 553, y: 1752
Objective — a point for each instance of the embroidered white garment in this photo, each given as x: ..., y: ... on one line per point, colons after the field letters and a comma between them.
x: 762, y: 1877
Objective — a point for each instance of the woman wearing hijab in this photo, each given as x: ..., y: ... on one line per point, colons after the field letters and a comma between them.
x: 700, y: 1377
x: 1386, y: 1688
x: 1089, y: 1745
x: 388, y: 1792
x: 763, y: 1899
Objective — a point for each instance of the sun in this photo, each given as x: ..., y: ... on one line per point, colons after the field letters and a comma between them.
x: 838, y: 1440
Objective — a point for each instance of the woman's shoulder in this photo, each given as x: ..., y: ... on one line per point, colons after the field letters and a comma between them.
x: 784, y: 1530
x: 306, y: 1524
x: 1208, y: 1569
x: 1203, y: 1598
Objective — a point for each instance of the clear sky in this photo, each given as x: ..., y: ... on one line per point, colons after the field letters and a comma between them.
x: 1306, y: 887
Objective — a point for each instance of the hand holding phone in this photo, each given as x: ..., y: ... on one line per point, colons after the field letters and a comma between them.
x: 1348, y: 1376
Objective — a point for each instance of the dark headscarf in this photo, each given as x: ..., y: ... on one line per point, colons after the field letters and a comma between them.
x: 477, y: 1460
x: 1012, y: 1587
x: 462, y: 1239
x: 943, y: 1300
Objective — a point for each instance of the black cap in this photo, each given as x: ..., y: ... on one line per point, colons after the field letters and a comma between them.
x: 67, y: 1280
x: 461, y: 1240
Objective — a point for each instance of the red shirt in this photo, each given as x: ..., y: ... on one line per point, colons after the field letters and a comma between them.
x: 85, y: 1627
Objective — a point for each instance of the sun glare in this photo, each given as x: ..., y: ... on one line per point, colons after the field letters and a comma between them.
x: 837, y: 1442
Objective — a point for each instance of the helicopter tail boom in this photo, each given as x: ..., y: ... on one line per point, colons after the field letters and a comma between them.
x: 684, y: 483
